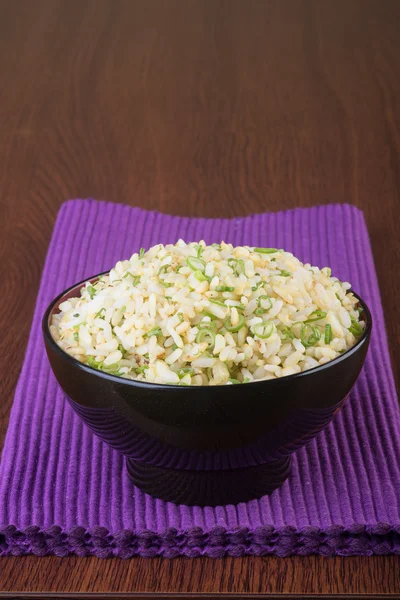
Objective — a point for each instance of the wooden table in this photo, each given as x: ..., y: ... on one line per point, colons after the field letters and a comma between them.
x: 202, y: 108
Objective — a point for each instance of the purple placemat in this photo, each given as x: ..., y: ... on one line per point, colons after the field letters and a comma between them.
x: 63, y: 491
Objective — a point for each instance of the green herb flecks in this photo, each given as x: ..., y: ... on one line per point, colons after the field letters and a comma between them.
x: 263, y: 330
x: 317, y: 315
x: 328, y: 334
x: 91, y: 290
x: 355, y: 328
x: 265, y: 250
x: 234, y: 328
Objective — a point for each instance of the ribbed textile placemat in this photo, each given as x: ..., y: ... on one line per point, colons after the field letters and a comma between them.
x: 63, y: 491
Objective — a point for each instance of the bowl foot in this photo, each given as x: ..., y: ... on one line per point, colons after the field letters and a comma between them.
x: 208, y: 488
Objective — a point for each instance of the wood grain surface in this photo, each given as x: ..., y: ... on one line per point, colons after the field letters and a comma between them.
x: 200, y: 108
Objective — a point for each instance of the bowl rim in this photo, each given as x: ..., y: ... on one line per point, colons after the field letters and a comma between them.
x: 167, y: 386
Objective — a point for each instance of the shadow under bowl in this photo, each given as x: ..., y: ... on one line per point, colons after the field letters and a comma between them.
x: 206, y: 445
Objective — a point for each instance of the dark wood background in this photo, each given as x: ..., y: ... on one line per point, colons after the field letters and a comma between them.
x: 202, y: 108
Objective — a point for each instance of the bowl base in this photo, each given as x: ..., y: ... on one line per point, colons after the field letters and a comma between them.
x: 208, y: 488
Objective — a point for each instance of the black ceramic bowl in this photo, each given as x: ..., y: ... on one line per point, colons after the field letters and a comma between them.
x: 206, y: 445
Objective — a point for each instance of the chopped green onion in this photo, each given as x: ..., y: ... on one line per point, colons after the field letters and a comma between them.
x: 246, y: 380
x: 154, y: 331
x: 234, y: 381
x: 317, y: 315
x: 174, y: 347
x: 141, y: 369
x: 207, y: 325
x: 328, y: 334
x: 208, y: 314
x: 200, y: 276
x: 202, y: 336
x: 224, y: 288
x: 360, y: 310
x: 237, y: 265
x: 100, y: 315
x: 265, y: 250
x: 264, y: 302
x: 163, y: 269
x: 309, y: 335
x: 217, y: 302
x: 141, y: 252
x: 258, y: 285
x: 262, y: 308
x: 240, y: 267
x: 112, y: 369
x: 263, y: 330
x: 238, y: 306
x: 233, y: 328
x: 76, y: 315
x: 338, y: 297
x: 273, y: 259
x: 92, y: 362
x: 135, y: 278
x: 184, y: 371
x: 91, y: 291
x: 76, y: 336
x: 199, y: 250
x: 216, y: 246
x: 355, y: 328
x: 196, y: 264
x: 286, y: 333
x: 328, y: 271
x: 165, y: 284
x: 284, y: 273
